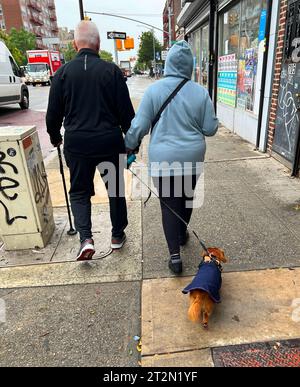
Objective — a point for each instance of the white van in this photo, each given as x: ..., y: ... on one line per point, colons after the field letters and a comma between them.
x: 12, y: 88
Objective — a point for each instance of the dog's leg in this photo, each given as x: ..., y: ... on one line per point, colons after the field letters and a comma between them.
x: 205, y: 320
x: 194, y: 312
x: 208, y: 309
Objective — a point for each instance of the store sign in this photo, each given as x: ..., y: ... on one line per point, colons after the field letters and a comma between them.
x: 164, y: 55
x: 262, y: 25
x: 227, y: 80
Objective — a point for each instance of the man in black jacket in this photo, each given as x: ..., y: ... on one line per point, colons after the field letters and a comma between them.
x: 92, y: 98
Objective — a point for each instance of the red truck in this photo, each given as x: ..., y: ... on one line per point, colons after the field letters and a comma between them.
x: 41, y: 67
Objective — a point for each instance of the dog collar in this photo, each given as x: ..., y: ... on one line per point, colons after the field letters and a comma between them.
x: 211, y: 258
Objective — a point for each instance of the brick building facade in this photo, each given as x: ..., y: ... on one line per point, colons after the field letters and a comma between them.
x: 277, y: 73
x: 284, y: 119
x: 38, y: 17
x: 66, y: 36
x: 175, y: 8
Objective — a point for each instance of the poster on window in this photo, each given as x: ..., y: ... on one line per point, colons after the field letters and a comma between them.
x: 227, y: 80
x: 241, y: 93
x: 250, y: 75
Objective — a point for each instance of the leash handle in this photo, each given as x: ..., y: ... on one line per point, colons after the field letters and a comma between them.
x: 130, y: 160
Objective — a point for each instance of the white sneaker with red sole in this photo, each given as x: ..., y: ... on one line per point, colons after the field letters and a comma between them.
x: 118, y: 243
x: 86, y: 251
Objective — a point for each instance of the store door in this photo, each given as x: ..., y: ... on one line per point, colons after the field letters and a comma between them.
x: 286, y: 139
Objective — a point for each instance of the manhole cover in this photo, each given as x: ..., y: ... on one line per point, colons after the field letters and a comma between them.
x: 271, y: 354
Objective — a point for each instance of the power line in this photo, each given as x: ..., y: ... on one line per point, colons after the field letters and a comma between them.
x: 139, y: 14
x: 126, y: 18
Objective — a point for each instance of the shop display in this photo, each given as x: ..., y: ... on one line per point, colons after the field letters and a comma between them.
x: 227, y: 80
x: 242, y: 28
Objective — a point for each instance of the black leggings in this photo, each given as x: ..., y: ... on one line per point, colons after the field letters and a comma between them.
x: 178, y: 193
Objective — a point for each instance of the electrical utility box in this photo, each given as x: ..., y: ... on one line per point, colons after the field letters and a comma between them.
x: 26, y: 213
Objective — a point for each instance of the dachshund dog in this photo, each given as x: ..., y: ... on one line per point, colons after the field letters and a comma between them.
x: 205, y: 287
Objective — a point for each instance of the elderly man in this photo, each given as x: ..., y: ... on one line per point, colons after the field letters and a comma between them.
x: 91, y: 97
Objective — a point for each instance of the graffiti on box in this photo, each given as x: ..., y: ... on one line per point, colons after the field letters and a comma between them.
x: 8, y: 187
x: 38, y: 175
x: 39, y: 179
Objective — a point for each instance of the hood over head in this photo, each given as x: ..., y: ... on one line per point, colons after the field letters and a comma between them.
x: 180, y: 62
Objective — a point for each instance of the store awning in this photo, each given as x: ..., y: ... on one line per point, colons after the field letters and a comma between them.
x: 189, y: 12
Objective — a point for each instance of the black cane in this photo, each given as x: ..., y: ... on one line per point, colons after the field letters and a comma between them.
x: 72, y: 231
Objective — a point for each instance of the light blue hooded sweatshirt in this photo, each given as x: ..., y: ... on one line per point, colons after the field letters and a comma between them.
x: 179, y: 136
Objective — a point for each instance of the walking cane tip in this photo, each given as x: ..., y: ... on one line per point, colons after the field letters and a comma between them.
x: 72, y: 232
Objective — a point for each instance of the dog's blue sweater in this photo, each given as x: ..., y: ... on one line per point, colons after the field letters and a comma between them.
x: 208, y: 279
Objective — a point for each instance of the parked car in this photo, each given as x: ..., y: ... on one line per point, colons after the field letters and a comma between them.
x: 12, y: 88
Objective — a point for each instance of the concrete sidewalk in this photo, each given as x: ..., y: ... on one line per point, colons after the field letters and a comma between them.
x: 65, y: 313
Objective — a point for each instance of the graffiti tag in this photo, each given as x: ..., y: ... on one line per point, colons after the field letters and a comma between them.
x: 7, y: 188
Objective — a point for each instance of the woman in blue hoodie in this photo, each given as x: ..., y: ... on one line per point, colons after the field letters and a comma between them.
x: 177, y: 146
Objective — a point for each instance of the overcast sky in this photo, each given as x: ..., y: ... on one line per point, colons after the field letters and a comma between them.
x: 148, y: 11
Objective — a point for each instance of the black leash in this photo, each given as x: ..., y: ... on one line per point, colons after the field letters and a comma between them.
x: 173, y: 212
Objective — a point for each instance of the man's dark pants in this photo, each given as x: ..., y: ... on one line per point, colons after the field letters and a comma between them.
x: 82, y: 173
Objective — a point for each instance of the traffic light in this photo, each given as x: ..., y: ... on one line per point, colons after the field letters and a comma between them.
x: 129, y: 43
x: 119, y: 44
x: 233, y: 17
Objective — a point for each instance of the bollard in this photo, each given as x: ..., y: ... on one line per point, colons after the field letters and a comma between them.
x: 26, y: 213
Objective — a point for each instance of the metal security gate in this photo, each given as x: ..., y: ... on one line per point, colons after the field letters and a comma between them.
x: 286, y: 139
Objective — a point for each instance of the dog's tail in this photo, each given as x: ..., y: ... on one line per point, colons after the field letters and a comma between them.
x: 196, y: 297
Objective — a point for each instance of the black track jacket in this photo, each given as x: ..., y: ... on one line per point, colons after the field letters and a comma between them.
x: 92, y: 98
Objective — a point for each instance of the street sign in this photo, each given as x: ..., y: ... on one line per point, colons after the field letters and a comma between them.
x: 116, y: 35
x: 164, y: 55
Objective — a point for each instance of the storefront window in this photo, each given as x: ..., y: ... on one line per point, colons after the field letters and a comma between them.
x: 230, y: 31
x: 242, y: 32
x: 200, y: 47
x: 252, y: 22
x: 204, y: 56
x: 196, y: 53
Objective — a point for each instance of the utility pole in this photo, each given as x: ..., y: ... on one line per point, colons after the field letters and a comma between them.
x: 154, y: 53
x: 81, y: 9
x: 170, y: 24
x: 116, y: 53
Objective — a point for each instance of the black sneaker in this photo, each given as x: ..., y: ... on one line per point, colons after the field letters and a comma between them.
x: 118, y: 243
x: 184, y: 239
x: 175, y: 264
x: 86, y: 251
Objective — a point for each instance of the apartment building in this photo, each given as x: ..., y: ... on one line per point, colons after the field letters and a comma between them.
x: 36, y: 16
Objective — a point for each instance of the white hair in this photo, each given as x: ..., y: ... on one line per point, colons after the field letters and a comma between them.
x: 87, y: 33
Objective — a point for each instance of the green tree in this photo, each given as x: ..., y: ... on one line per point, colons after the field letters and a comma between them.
x: 107, y: 56
x: 146, y: 50
x: 23, y: 41
x: 69, y: 52
x: 16, y: 53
